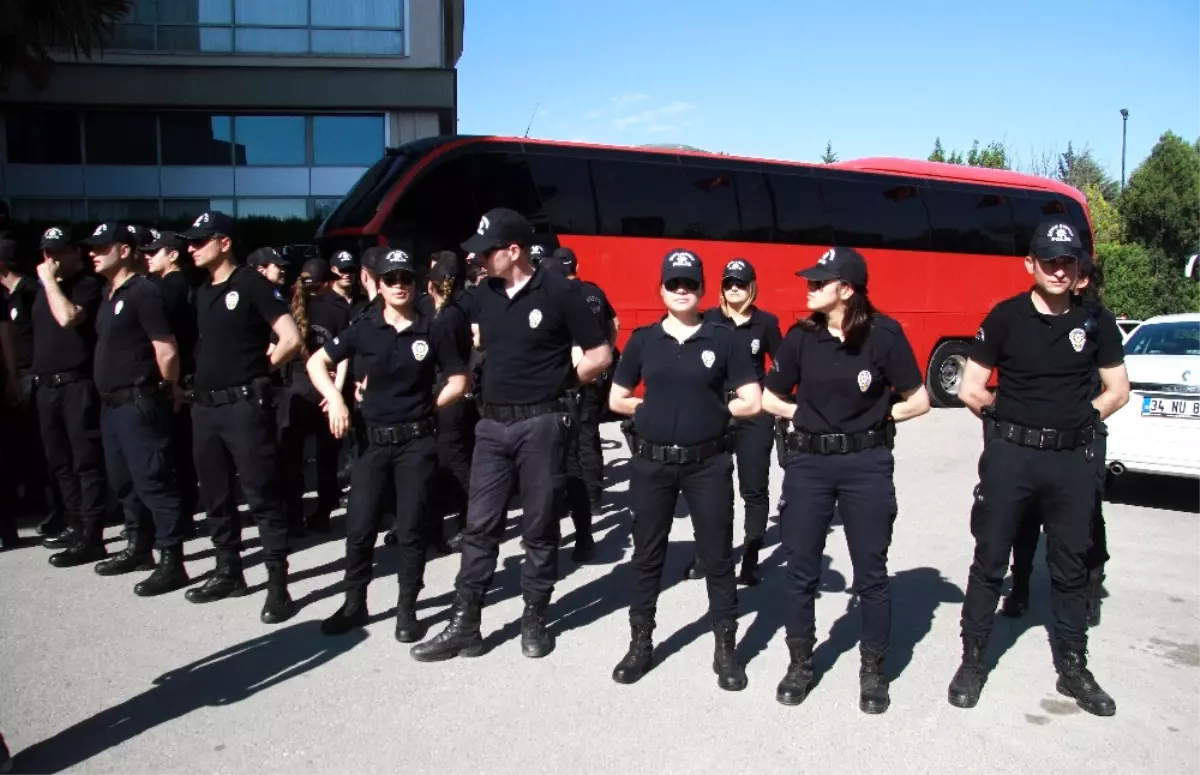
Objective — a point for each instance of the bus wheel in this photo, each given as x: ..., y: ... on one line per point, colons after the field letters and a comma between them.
x: 945, y: 373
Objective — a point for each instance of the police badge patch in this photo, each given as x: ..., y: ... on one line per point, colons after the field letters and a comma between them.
x: 120, y: 306
x: 1078, y: 338
x: 535, y: 318
x: 709, y: 358
x: 231, y: 300
x: 754, y: 345
x: 420, y: 349
x: 864, y: 380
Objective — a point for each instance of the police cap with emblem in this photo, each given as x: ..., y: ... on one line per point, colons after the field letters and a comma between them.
x: 344, y: 262
x: 55, y: 238
x: 566, y: 257
x: 739, y: 269
x: 165, y: 239
x: 1054, y: 238
x: 314, y: 270
x: 266, y: 257
x: 112, y: 232
x: 845, y: 264
x: 682, y: 265
x: 213, y: 223
x: 395, y: 261
x: 497, y: 229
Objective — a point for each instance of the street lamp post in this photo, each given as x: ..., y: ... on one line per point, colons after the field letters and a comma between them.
x: 1124, y: 124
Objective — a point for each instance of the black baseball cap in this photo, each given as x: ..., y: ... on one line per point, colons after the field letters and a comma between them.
x: 143, y: 235
x: 556, y: 265
x: 739, y: 269
x: 344, y: 261
x: 164, y: 239
x: 315, y: 270
x: 55, y: 238
x: 845, y: 264
x: 370, y: 258
x: 498, y: 228
x: 8, y: 252
x: 1054, y: 238
x: 267, y: 256
x: 395, y: 261
x: 682, y: 265
x: 112, y: 232
x: 566, y: 257
x: 213, y: 223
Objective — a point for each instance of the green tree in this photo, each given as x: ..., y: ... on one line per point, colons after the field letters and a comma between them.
x: 994, y: 155
x: 32, y: 29
x: 829, y: 157
x: 1143, y: 282
x: 939, y: 154
x: 1081, y: 170
x: 1106, y: 220
x: 1161, y: 204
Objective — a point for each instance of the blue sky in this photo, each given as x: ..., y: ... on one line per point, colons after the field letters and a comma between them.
x: 778, y: 78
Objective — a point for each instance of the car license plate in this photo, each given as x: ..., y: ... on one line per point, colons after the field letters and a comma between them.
x: 1171, y: 407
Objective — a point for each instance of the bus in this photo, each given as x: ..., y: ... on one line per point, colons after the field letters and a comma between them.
x: 943, y: 242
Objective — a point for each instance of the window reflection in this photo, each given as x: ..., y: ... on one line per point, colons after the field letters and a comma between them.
x: 270, y: 140
x: 356, y: 13
x: 270, y: 41
x: 272, y: 208
x: 267, y: 12
x: 121, y: 138
x: 43, y: 137
x: 347, y: 140
x: 198, y: 139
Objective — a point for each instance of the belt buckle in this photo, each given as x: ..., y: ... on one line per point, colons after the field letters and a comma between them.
x: 1047, y: 438
x: 678, y: 453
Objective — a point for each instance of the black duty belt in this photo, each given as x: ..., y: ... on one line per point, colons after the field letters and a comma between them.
x: 510, y: 413
x: 677, y: 455
x: 127, y: 395
x: 840, y: 443
x: 401, y: 434
x: 229, y: 395
x: 1038, y: 438
x: 59, y: 379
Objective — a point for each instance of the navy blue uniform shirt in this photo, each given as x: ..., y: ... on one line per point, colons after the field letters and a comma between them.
x: 57, y: 349
x: 128, y: 323
x: 401, y: 367
x: 839, y: 388
x: 234, y: 320
x: 180, y: 300
x: 686, y: 383
x: 19, y: 312
x: 759, y: 335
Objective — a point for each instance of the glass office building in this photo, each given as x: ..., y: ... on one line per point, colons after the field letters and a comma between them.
x: 255, y: 107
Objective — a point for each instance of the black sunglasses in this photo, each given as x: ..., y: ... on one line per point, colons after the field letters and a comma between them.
x: 688, y: 285
x: 397, y: 278
x: 733, y: 282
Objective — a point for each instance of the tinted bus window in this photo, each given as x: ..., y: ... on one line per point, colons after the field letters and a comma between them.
x: 887, y: 214
x: 564, y: 185
x: 1029, y: 209
x: 970, y: 220
x: 643, y: 199
x: 799, y: 213
x: 437, y: 212
x: 713, y: 196
x: 754, y: 207
x: 503, y: 180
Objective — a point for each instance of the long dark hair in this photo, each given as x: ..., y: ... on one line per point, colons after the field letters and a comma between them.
x: 856, y: 323
x: 447, y: 274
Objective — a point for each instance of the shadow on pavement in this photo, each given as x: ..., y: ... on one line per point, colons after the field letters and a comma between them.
x: 226, y: 677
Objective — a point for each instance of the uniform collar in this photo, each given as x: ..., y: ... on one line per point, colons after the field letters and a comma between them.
x: 704, y: 332
x: 132, y: 282
x: 496, y: 284
x: 1032, y: 311
x: 420, y: 324
x: 750, y: 320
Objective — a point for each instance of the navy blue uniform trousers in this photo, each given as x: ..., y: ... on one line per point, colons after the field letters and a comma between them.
x: 860, y: 486
x: 69, y: 418
x: 530, y: 454
x: 753, y: 440
x: 140, y: 462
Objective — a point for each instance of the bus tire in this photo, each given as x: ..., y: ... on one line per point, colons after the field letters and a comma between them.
x: 945, y: 373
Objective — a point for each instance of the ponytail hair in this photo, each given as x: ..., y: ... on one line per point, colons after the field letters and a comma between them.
x: 301, y: 292
x: 447, y: 275
x: 856, y: 320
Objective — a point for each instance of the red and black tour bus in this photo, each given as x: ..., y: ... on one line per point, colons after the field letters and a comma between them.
x: 943, y: 242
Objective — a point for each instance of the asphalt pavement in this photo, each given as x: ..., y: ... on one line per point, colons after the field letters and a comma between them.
x: 94, y: 679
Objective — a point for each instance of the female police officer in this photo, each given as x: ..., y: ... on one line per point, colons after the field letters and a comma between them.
x: 758, y: 333
x: 402, y: 352
x: 679, y: 445
x: 845, y: 361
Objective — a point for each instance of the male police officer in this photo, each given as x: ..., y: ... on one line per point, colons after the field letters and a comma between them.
x: 269, y: 263
x: 1040, y: 451
x: 232, y: 414
x: 64, y: 335
x: 137, y: 375
x: 527, y: 322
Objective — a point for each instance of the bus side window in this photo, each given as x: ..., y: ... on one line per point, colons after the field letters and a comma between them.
x: 876, y: 212
x: 970, y: 220
x: 564, y: 187
x: 1029, y: 209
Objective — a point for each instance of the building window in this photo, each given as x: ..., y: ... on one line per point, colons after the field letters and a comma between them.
x: 270, y: 140
x: 121, y: 138
x: 143, y: 211
x: 347, y: 141
x: 321, y: 27
x: 188, y: 209
x: 197, y: 139
x: 43, y: 137
x: 272, y: 208
x: 61, y: 210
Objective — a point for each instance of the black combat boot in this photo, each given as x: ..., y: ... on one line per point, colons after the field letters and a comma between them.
x: 1017, y: 603
x: 278, y: 606
x: 640, y: 657
x: 799, y: 676
x: 968, y: 681
x: 169, y: 576
x: 535, y: 641
x: 87, y: 548
x: 695, y: 570
x: 226, y: 581
x: 749, y: 576
x: 62, y: 540
x: 1075, y: 680
x: 731, y: 676
x: 460, y: 638
x: 873, y: 687
x: 52, y: 525
x: 352, y: 615
x: 1095, y: 582
x: 408, y: 628
x: 319, y: 522
x: 137, y: 555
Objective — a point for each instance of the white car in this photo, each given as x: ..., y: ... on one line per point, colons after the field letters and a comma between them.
x: 1158, y: 431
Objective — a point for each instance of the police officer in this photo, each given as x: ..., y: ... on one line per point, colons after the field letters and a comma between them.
x: 64, y: 336
x: 527, y: 322
x: 679, y: 444
x: 232, y: 416
x: 22, y: 431
x: 758, y: 332
x: 344, y: 268
x: 1040, y: 452
x: 855, y: 376
x: 403, y: 351
x: 1025, y: 546
x: 321, y: 314
x: 170, y: 265
x: 271, y: 264
x: 137, y: 373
